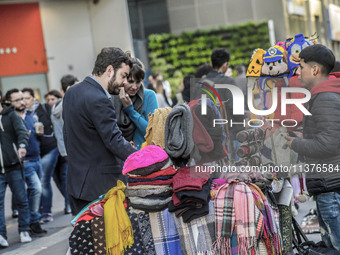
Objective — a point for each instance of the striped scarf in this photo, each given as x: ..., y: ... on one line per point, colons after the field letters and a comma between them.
x: 235, y: 211
x: 271, y: 233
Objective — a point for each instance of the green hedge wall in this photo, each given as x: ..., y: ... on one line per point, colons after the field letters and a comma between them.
x: 178, y: 55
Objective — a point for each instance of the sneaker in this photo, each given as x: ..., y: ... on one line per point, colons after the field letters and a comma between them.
x: 15, y: 214
x: 3, y: 242
x: 46, y: 217
x: 35, y: 228
x: 25, y: 237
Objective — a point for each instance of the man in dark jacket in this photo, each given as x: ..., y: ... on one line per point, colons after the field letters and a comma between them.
x: 95, y: 146
x: 320, y: 146
x: 32, y: 164
x: 13, y: 135
x: 220, y: 61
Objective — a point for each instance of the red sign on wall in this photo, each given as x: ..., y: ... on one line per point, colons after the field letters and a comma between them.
x: 22, y: 48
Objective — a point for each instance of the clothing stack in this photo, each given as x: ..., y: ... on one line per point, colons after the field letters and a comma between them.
x: 149, y: 176
x: 191, y: 194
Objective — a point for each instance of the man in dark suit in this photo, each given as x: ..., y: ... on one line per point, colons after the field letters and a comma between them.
x: 95, y: 146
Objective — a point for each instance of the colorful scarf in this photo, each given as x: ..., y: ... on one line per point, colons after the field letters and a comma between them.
x: 271, y: 233
x: 164, y: 232
x: 224, y: 218
x: 235, y: 212
x: 197, y: 236
x: 118, y: 229
x: 245, y: 218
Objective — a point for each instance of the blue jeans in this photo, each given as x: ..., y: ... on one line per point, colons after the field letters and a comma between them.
x: 48, y: 162
x: 60, y: 177
x: 32, y: 171
x: 328, y: 207
x: 17, y: 186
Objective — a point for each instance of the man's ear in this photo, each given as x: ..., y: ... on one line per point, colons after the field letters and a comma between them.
x: 110, y: 71
x: 316, y: 70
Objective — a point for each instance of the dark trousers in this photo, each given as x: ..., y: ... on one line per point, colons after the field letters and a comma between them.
x: 77, y: 204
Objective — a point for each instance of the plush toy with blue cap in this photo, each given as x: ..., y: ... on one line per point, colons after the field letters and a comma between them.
x: 275, y: 62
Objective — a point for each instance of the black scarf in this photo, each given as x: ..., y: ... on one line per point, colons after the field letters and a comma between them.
x: 124, y: 122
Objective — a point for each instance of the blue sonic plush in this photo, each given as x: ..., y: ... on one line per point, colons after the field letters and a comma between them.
x: 294, y: 47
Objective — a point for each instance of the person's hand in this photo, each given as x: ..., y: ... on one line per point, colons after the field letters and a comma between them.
x: 289, y: 141
x: 124, y: 98
x: 41, y: 130
x: 22, y: 152
x: 298, y: 134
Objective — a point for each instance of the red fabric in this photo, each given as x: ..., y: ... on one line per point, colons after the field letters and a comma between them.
x: 183, y: 180
x: 21, y: 30
x: 167, y: 171
x: 200, y: 135
x: 86, y: 216
x: 158, y: 182
x: 330, y: 85
x: 334, y: 75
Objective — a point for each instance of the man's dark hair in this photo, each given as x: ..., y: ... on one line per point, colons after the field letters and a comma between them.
x: 336, y: 67
x: 240, y: 69
x: 203, y: 70
x: 155, y: 75
x: 67, y: 80
x: 319, y: 54
x: 218, y: 57
x: 137, y: 70
x: 186, y: 80
x: 55, y: 93
x: 110, y: 56
x: 9, y: 94
x: 29, y: 90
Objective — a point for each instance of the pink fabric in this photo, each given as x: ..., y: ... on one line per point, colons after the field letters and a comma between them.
x: 145, y: 157
x: 97, y: 210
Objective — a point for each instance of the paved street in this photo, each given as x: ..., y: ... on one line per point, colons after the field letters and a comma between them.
x: 56, y: 240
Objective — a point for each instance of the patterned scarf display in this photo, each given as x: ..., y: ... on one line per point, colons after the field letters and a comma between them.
x: 164, y: 233
x: 197, y: 237
x: 271, y: 233
x: 235, y: 212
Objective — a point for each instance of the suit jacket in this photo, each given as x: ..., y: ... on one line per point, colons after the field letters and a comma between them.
x: 95, y: 146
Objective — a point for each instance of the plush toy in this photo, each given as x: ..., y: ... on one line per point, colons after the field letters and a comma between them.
x: 275, y: 62
x: 256, y: 62
x: 275, y: 66
x: 294, y: 47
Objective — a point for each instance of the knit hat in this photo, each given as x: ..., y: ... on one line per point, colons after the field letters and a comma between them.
x: 145, y: 157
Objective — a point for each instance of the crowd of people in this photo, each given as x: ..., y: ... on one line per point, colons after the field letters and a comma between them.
x: 32, y: 153
x: 82, y: 135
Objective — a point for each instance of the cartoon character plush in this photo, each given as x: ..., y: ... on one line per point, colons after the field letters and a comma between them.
x: 294, y: 47
x: 275, y: 62
x: 256, y: 62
